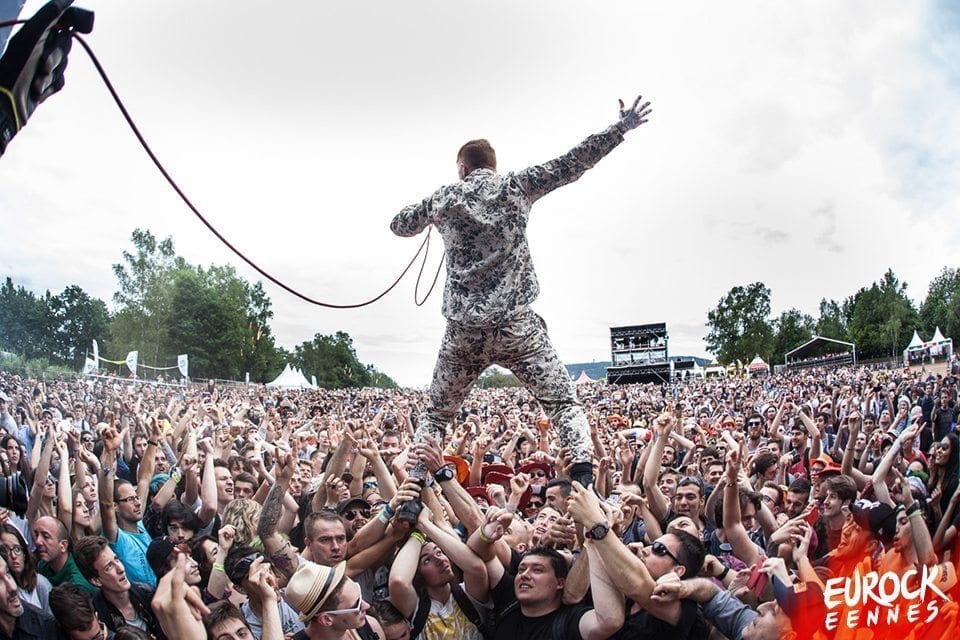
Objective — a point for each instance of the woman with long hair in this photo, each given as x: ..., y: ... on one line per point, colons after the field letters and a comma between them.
x: 243, y: 514
x: 32, y: 586
x: 944, y: 474
x: 13, y: 458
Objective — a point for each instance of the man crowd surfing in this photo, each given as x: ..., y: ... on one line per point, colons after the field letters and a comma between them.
x: 719, y: 508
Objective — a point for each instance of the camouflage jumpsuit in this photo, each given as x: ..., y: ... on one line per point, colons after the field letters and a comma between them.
x: 490, y: 285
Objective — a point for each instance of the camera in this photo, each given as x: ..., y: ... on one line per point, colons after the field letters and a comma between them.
x: 14, y: 493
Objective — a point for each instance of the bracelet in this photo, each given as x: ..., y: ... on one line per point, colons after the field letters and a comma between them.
x: 484, y: 537
x: 419, y: 537
x: 153, y: 443
x: 176, y: 475
x: 383, y: 517
x: 388, y: 510
x: 914, y: 508
x: 218, y: 566
x: 723, y: 574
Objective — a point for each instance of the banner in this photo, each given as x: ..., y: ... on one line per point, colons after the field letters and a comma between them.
x: 132, y: 362
x: 89, y: 366
x: 183, y: 364
x: 96, y: 355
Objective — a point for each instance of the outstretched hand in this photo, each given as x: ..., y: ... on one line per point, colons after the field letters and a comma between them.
x: 634, y: 116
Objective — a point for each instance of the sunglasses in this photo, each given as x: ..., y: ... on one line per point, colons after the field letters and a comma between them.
x: 351, y: 514
x: 754, y: 423
x: 346, y: 612
x: 660, y: 549
x: 370, y: 484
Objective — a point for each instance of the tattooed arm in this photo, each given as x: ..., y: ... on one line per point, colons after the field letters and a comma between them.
x: 281, y: 553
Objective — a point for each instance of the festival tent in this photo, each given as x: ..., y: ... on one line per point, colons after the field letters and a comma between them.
x: 757, y: 366
x: 916, y: 350
x: 583, y: 378
x: 814, y: 347
x: 291, y: 377
x: 939, y: 346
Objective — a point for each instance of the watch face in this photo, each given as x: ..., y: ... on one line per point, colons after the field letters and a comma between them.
x: 599, y: 531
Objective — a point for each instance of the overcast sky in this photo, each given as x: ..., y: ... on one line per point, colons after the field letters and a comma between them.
x: 808, y: 145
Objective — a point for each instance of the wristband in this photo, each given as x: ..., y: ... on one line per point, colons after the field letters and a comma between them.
x: 176, y: 475
x: 914, y: 508
x: 723, y: 574
x: 153, y: 443
x: 218, y: 566
x: 419, y: 537
x: 383, y: 516
x: 484, y: 537
x: 388, y: 510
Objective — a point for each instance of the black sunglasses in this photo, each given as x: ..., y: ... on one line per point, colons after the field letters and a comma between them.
x: 351, y: 514
x: 660, y: 549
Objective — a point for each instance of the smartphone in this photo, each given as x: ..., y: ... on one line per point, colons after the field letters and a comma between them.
x: 813, y: 516
x: 758, y: 579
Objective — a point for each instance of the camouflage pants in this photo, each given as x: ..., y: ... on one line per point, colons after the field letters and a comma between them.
x: 522, y: 345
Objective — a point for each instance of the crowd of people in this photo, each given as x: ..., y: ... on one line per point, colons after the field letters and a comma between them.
x: 724, y: 508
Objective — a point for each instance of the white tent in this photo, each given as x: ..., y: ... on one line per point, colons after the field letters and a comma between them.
x: 583, y: 377
x: 939, y: 346
x: 757, y: 366
x: 291, y: 377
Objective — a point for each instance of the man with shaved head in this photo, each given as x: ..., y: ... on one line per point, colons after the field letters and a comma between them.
x: 53, y: 551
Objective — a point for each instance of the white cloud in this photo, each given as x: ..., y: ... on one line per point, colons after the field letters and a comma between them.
x: 299, y: 129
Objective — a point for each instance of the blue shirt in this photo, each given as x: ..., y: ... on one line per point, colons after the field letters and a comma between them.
x: 131, y: 548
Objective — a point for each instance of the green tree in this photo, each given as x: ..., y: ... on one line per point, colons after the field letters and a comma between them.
x: 941, y: 307
x: 739, y: 325
x: 22, y: 321
x: 143, y: 298
x: 793, y: 329
x: 77, y: 320
x: 333, y: 360
x: 831, y: 323
x: 881, y: 318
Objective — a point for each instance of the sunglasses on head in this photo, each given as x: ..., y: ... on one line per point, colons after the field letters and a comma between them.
x: 350, y: 514
x: 660, y: 549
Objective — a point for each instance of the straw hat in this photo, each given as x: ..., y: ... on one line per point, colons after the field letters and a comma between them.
x: 310, y: 586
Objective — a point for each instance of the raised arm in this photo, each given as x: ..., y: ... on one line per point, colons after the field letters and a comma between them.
x: 608, y: 612
x: 655, y: 498
x: 627, y: 571
x: 474, y: 569
x: 281, y: 552
x: 743, y: 547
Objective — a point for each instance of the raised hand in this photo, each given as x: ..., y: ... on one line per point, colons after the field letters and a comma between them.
x: 634, y: 116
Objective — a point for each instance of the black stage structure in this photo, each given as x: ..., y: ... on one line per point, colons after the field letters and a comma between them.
x: 638, y: 353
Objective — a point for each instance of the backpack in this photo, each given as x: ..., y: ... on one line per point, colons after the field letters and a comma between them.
x: 465, y: 604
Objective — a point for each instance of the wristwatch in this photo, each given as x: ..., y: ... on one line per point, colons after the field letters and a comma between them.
x: 443, y: 474
x: 598, y: 531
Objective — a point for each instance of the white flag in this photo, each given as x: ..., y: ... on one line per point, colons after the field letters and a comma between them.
x: 89, y: 366
x: 132, y: 361
x: 96, y: 355
x: 183, y: 363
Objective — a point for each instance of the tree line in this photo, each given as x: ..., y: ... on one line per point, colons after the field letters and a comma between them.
x: 879, y: 320
x: 164, y: 306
